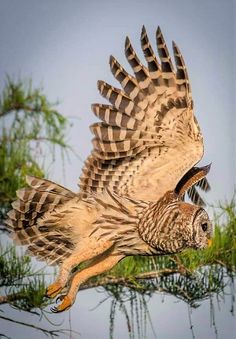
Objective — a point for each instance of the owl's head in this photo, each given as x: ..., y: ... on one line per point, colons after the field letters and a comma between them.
x: 194, y: 224
x: 172, y: 225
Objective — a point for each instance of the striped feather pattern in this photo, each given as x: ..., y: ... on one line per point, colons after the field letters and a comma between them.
x: 149, y: 137
x: 152, y: 62
x: 196, y: 176
x: 118, y: 223
x: 182, y: 79
x: 129, y: 83
x: 195, y: 197
x: 113, y: 117
x: 169, y: 225
x: 166, y: 63
x: 204, y: 184
x: 120, y: 100
x: 45, y: 241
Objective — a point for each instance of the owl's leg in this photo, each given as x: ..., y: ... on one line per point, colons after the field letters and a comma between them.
x: 86, y: 252
x: 97, y: 267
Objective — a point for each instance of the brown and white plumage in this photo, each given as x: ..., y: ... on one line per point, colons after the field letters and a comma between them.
x: 133, y: 184
x: 149, y: 137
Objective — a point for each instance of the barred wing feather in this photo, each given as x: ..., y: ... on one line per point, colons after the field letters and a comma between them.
x: 148, y: 137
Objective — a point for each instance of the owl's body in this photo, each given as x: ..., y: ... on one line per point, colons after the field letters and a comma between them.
x: 133, y: 184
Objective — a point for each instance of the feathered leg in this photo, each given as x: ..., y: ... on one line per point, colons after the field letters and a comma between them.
x: 84, y: 253
x: 97, y: 266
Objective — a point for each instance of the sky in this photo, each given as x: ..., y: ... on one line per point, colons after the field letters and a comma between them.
x: 64, y: 46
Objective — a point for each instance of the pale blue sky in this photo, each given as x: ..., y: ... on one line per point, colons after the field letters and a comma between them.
x: 65, y: 46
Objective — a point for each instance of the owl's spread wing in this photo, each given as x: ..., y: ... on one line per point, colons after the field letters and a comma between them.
x: 149, y: 137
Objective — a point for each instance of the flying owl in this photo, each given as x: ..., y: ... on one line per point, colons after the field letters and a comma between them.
x: 132, y: 187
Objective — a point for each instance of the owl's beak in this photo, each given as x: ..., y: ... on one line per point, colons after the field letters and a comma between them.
x: 209, y: 242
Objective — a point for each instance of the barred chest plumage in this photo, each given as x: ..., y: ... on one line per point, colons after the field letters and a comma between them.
x: 172, y: 225
x: 146, y: 228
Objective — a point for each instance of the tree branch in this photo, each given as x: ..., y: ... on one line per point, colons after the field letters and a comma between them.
x: 52, y: 333
x: 127, y: 281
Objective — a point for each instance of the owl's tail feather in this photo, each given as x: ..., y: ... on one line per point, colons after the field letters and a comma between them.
x: 42, y: 197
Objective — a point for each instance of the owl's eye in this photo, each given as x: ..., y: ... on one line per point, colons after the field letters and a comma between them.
x: 204, y: 226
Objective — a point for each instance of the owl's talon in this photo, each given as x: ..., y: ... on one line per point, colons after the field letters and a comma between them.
x: 53, y: 290
x: 60, y: 298
x: 53, y: 309
x: 65, y: 305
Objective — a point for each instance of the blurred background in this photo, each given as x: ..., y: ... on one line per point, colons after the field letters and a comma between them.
x: 64, y: 47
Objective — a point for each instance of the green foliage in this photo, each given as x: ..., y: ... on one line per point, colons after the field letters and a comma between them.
x: 12, y: 266
x: 31, y: 131
x: 31, y: 128
x: 24, y: 288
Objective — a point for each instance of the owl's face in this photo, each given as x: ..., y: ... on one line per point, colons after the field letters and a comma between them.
x: 191, y: 226
x: 201, y: 229
x: 171, y: 225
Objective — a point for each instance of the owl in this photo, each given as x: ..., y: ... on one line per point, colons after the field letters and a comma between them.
x: 132, y: 187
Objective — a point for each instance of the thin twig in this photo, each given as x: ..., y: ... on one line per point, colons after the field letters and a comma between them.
x: 52, y: 333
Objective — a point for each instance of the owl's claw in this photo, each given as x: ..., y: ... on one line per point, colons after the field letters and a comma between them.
x: 53, y: 290
x: 65, y: 305
x: 60, y: 298
x: 53, y: 309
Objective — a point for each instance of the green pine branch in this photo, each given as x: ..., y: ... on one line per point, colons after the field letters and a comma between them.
x: 31, y: 130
